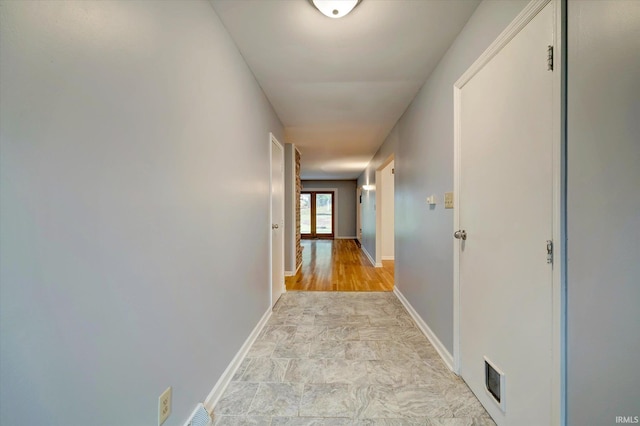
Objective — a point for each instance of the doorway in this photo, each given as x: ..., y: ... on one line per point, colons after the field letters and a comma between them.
x: 506, y: 185
x: 277, y: 219
x: 359, y: 215
x: 387, y: 212
x: 317, y: 214
x: 384, y: 207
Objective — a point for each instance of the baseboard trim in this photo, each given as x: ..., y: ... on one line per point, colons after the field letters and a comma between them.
x: 388, y: 257
x: 225, y: 378
x: 373, y: 262
x: 344, y: 238
x: 437, y: 344
x: 293, y: 274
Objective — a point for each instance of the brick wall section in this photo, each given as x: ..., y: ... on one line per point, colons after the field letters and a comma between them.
x: 298, y: 190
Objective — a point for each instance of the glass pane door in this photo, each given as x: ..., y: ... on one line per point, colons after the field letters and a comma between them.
x: 324, y: 213
x: 316, y: 214
x: 305, y: 213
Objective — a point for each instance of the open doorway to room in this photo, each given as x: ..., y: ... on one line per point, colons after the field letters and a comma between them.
x: 359, y: 215
x: 385, y: 215
x: 387, y: 212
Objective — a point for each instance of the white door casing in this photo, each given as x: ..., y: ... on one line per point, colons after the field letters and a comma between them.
x: 506, y: 297
x: 359, y: 214
x: 277, y: 218
x: 378, y: 208
x: 387, y: 212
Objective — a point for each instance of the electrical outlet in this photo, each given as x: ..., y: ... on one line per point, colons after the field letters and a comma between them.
x: 448, y: 200
x: 164, y: 406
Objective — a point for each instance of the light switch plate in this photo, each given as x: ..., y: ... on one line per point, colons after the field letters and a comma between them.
x: 448, y: 200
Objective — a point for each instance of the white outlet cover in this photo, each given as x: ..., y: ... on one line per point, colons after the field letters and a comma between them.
x: 448, y: 200
x: 164, y: 406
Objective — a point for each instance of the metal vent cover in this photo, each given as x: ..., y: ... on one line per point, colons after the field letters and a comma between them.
x: 200, y: 417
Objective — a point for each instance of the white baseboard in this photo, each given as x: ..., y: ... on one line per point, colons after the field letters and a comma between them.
x: 344, y: 238
x: 388, y: 257
x: 373, y: 262
x: 437, y: 344
x: 225, y: 379
x: 293, y: 274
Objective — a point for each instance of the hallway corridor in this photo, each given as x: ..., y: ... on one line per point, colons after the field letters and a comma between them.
x: 336, y: 358
x: 339, y: 265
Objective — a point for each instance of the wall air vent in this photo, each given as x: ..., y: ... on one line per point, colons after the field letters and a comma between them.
x: 199, y: 417
x: 494, y: 382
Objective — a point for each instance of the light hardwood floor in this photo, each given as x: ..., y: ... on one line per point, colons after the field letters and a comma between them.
x: 339, y: 265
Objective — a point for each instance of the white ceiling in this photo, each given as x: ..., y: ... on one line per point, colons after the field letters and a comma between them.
x: 340, y: 85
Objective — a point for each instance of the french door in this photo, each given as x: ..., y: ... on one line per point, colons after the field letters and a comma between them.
x: 317, y: 214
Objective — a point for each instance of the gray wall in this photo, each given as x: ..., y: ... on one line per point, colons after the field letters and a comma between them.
x: 134, y: 214
x: 345, y: 208
x: 603, y: 211
x: 423, y: 144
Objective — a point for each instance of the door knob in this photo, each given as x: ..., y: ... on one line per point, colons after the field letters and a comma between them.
x: 460, y: 235
x: 274, y: 226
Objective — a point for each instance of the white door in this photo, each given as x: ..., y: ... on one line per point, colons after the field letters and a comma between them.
x: 505, y: 178
x: 277, y: 220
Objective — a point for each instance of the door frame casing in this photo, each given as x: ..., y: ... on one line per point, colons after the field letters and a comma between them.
x: 558, y: 320
x: 272, y: 141
x: 379, y: 190
x: 359, y: 214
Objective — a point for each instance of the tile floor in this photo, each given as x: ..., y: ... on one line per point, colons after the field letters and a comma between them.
x: 345, y: 359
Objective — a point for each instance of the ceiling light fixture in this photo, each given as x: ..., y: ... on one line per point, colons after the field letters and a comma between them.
x: 335, y: 8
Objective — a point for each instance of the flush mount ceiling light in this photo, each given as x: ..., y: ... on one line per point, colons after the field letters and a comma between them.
x: 335, y: 8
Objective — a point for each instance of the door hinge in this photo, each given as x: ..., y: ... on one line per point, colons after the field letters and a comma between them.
x: 550, y: 58
x: 393, y: 171
x: 549, y: 251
